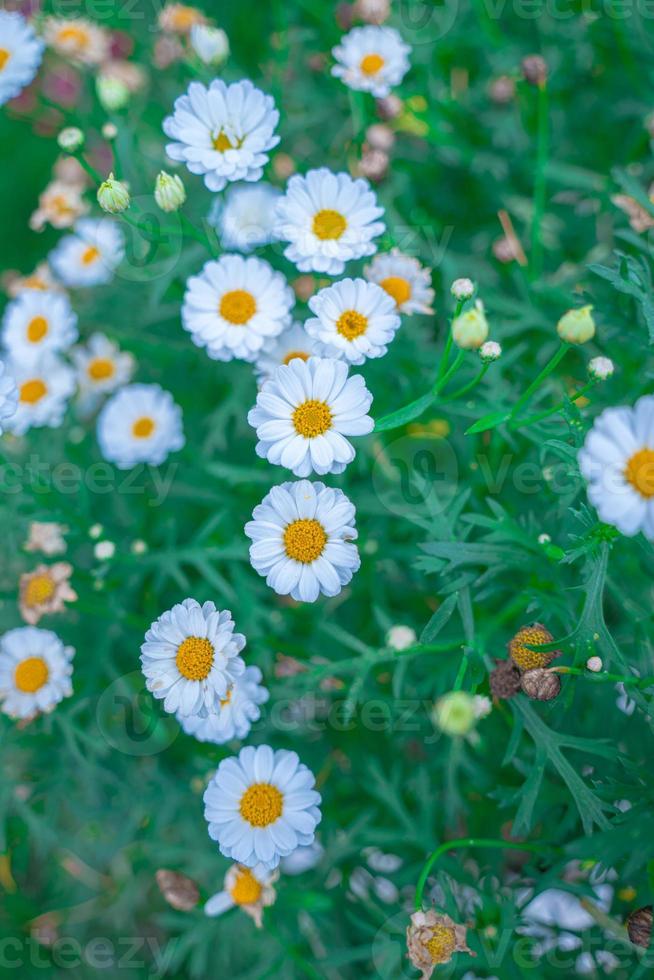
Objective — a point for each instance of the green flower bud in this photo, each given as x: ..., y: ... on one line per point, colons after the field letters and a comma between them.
x: 70, y: 139
x: 113, y: 195
x: 576, y: 326
x: 112, y: 93
x: 169, y: 192
x: 455, y: 713
x: 470, y: 329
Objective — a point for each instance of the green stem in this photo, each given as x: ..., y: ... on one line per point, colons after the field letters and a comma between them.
x: 91, y: 171
x: 471, y: 384
x: 452, y: 845
x: 545, y: 373
x: 445, y: 356
x: 605, y: 676
x: 456, y: 364
x: 542, y: 148
x: 532, y: 419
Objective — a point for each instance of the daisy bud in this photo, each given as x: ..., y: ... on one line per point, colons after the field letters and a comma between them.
x: 576, y: 326
x: 112, y: 92
x: 601, y: 368
x: 528, y: 636
x: 594, y: 664
x: 110, y: 131
x: 462, y: 289
x: 113, y: 195
x: 104, y: 550
x: 380, y: 137
x: 541, y: 684
x: 534, y: 69
x: 179, y: 890
x: 390, y: 106
x: 490, y: 351
x: 470, y: 329
x: 639, y: 926
x: 95, y: 531
x: 372, y: 11
x: 70, y: 139
x: 400, y: 637
x: 211, y: 44
x: 455, y: 713
x: 502, y: 90
x: 433, y: 939
x: 169, y: 191
x: 504, y: 680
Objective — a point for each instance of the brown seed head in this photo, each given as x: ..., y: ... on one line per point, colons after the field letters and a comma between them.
x: 541, y: 684
x: 639, y: 926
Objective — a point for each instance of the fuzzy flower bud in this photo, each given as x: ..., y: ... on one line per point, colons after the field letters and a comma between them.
x: 70, y: 139
x: 470, y: 329
x: 577, y: 326
x: 211, y: 44
x: 400, y: 637
x: 594, y: 664
x: 601, y: 368
x: 490, y: 351
x: 113, y: 195
x: 462, y: 289
x: 112, y: 92
x: 455, y: 713
x: 110, y: 131
x: 169, y: 192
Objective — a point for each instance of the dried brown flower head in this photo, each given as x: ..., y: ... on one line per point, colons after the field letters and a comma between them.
x: 534, y: 69
x: 433, y: 939
x: 541, y: 684
x: 44, y: 591
x: 639, y: 926
x: 504, y: 680
x: 179, y: 890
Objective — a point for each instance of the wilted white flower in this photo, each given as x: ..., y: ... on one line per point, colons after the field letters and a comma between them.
x: 60, y: 205
x: 251, y: 889
x: 211, y: 44
x: 46, y: 536
x: 78, y: 39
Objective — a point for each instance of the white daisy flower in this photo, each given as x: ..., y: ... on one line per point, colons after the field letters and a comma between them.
x: 617, y: 459
x: 404, y: 279
x: 190, y: 657
x: 328, y: 219
x: 372, y: 59
x: 36, y: 322
x: 140, y: 424
x: 261, y: 805
x: 251, y: 889
x: 20, y: 54
x: 302, y: 536
x: 304, y: 412
x: 8, y: 395
x: 78, y: 39
x: 291, y: 343
x: 35, y: 670
x: 89, y: 256
x: 236, y: 712
x: 234, y: 305
x: 44, y: 387
x: 101, y: 368
x: 354, y: 319
x: 245, y: 218
x: 222, y: 132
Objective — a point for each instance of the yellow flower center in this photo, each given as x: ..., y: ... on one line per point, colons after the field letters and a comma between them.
x: 639, y: 472
x: 4, y: 57
x: 328, y: 225
x: 312, y: 418
x: 222, y: 142
x: 34, y: 282
x: 31, y: 674
x: 38, y: 590
x: 32, y: 391
x: 101, y: 368
x: 228, y: 697
x: 246, y: 890
x: 295, y: 353
x: 528, y: 636
x: 194, y: 658
x: 183, y: 18
x: 398, y: 288
x: 143, y: 427
x: 238, y: 306
x: 371, y: 64
x: 37, y: 328
x: 442, y: 944
x: 351, y: 324
x: 261, y: 804
x: 74, y: 36
x: 90, y: 255
x: 305, y: 540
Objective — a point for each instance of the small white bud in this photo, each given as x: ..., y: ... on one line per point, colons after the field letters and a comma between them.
x: 400, y: 637
x: 594, y: 664
x: 110, y: 131
x: 138, y: 547
x: 544, y: 538
x: 104, y: 550
x: 211, y: 44
x: 577, y: 326
x: 455, y: 713
x: 490, y: 351
x: 70, y: 139
x: 470, y: 329
x: 169, y: 191
x: 462, y: 289
x: 601, y: 368
x: 113, y: 195
x: 95, y: 531
x: 112, y: 92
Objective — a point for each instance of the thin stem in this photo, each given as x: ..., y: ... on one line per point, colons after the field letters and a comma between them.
x: 456, y: 364
x: 542, y: 149
x: 471, y: 384
x: 545, y: 373
x: 605, y: 676
x: 445, y: 356
x: 532, y: 419
x: 452, y: 845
